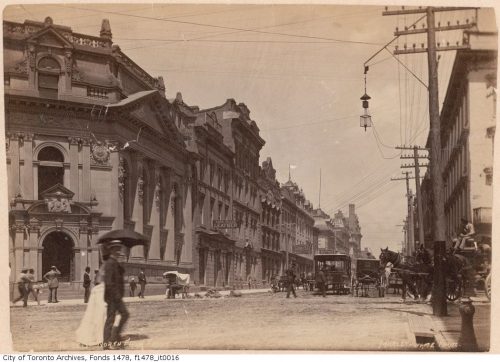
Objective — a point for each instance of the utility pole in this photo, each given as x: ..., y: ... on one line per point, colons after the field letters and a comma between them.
x: 410, y: 239
x: 439, y: 305
x: 417, y: 165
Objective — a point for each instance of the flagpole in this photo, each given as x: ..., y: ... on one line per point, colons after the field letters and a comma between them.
x: 319, y: 201
x: 289, y: 176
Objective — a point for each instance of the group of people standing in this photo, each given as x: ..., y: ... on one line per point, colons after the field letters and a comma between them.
x: 26, y: 285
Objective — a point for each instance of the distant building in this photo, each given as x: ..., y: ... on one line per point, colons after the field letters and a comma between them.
x: 272, y: 254
x: 326, y: 234
x: 342, y: 233
x: 354, y: 231
x: 297, y: 235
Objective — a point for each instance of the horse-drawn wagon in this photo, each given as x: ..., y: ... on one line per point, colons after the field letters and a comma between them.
x: 462, y: 268
x: 367, y: 277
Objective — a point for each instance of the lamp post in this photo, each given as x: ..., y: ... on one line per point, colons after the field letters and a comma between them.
x: 365, y: 120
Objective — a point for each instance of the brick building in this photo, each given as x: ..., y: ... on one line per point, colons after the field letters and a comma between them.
x: 467, y: 138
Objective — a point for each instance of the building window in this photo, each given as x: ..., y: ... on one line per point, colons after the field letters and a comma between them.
x: 48, y: 77
x: 489, y: 175
x: 50, y: 169
x: 201, y: 203
x: 6, y: 79
x: 212, y: 204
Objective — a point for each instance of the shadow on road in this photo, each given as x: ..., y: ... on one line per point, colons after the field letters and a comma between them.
x: 419, y: 314
x: 136, y: 337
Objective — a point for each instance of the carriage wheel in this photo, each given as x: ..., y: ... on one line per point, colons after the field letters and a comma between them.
x: 453, y: 289
x: 487, y: 286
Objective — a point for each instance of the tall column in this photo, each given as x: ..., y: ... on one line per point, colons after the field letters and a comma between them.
x: 187, y: 225
x: 154, y: 220
x: 137, y: 252
x: 87, y: 178
x: 27, y: 176
x: 73, y: 164
x: 115, y: 196
x: 33, y: 247
x: 14, y: 166
x: 19, y: 248
x: 170, y: 226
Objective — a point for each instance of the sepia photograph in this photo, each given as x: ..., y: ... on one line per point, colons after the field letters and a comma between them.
x: 237, y: 176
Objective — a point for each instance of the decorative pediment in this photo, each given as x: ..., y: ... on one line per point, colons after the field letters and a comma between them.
x: 51, y: 38
x: 152, y: 110
x: 58, y: 190
x: 148, y: 115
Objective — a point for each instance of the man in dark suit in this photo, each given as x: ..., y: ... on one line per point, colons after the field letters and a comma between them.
x: 321, y: 281
x: 290, y: 273
x: 113, y: 295
x: 86, y: 284
x: 142, y: 282
x: 53, y: 283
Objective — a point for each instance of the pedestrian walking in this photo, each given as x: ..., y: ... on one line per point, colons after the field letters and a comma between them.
x: 113, y: 295
x: 86, y: 284
x: 22, y: 287
x: 142, y: 283
x: 290, y: 273
x: 53, y: 283
x: 133, y: 287
x: 321, y: 282
x: 31, y: 286
x: 97, y: 277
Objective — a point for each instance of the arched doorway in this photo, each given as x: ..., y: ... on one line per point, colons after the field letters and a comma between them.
x: 58, y: 251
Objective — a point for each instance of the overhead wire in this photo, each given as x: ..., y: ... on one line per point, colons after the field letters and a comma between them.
x: 192, y: 23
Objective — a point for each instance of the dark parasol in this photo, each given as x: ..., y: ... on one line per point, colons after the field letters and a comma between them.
x: 129, y: 238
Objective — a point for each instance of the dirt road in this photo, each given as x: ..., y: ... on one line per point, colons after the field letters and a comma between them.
x: 257, y: 322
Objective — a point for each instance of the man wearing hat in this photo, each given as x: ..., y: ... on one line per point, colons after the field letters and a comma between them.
x: 321, y: 282
x: 22, y: 286
x: 113, y: 294
x: 290, y: 273
x: 53, y: 283
x: 466, y: 233
x: 86, y: 284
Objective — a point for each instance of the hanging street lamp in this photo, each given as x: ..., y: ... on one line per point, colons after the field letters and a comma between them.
x: 365, y: 120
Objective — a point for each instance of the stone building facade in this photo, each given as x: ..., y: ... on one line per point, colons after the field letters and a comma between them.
x: 75, y: 109
x: 468, y: 125
x: 297, y: 224
x: 270, y: 198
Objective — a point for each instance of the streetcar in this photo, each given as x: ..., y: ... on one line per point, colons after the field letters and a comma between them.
x: 337, y: 269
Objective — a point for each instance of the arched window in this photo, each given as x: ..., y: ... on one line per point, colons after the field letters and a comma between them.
x: 50, y: 169
x: 48, y: 77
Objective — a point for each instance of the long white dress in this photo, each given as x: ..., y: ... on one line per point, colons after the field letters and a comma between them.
x: 91, y: 329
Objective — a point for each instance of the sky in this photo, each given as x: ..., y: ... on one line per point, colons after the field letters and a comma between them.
x: 299, y: 69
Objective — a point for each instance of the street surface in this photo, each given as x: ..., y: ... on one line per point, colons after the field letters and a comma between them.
x: 262, y: 321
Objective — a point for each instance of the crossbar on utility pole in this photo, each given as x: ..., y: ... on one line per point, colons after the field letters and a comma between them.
x: 424, y: 10
x: 415, y: 30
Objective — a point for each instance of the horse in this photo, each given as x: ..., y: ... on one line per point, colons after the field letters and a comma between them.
x: 408, y: 273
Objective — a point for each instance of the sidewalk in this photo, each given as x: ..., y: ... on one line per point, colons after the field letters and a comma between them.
x: 445, y: 331
x: 158, y: 297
